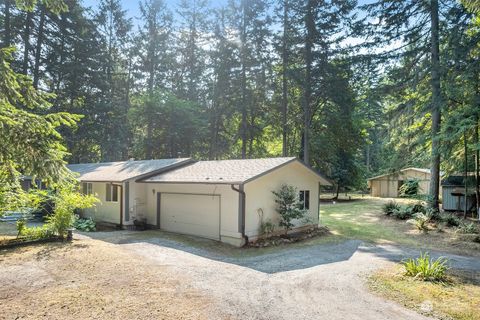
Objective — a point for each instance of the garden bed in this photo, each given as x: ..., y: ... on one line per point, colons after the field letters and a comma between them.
x: 282, y: 239
x: 20, y: 242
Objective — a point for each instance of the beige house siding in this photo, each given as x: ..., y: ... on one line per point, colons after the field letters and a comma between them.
x: 103, y: 211
x: 137, y: 202
x: 260, y: 199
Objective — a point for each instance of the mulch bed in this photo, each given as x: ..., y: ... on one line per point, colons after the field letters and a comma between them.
x: 290, y: 238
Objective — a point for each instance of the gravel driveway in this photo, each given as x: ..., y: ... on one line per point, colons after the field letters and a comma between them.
x: 312, y: 282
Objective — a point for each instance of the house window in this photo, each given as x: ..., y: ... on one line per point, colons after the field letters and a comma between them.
x: 111, y: 194
x: 87, y: 188
x: 304, y: 198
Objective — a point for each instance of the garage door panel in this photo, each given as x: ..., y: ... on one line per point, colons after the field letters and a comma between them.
x: 191, y: 214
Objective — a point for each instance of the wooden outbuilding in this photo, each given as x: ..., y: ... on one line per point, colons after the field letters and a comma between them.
x: 388, y: 185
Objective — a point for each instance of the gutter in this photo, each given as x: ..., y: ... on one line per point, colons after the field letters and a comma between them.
x: 241, y: 210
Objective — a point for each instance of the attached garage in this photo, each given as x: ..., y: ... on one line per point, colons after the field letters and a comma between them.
x: 193, y: 214
x: 228, y: 200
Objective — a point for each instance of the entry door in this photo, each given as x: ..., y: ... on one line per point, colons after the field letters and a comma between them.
x: 193, y: 214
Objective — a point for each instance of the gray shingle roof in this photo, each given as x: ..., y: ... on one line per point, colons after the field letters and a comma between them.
x: 123, y: 170
x: 222, y: 171
x: 422, y: 170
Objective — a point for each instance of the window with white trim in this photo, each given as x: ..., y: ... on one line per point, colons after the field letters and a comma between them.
x: 87, y: 188
x: 111, y: 193
x: 304, y: 198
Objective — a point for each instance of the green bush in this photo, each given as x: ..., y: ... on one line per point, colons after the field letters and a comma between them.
x: 86, y: 224
x: 426, y: 268
x: 266, y: 228
x: 450, y: 219
x: 468, y: 228
x: 409, y: 188
x: 417, y: 208
x: 389, y: 207
x: 36, y: 233
x: 21, y: 224
x: 288, y: 206
x: 66, y: 201
x: 403, y: 213
x: 432, y: 214
x: 420, y: 221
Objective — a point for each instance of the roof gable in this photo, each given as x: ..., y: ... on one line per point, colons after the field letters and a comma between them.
x: 427, y: 171
x: 123, y: 170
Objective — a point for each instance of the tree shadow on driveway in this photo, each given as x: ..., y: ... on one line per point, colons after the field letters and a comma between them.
x: 275, y: 259
x: 271, y: 260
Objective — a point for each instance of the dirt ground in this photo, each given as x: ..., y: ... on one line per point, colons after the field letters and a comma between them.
x: 152, y: 275
x: 159, y: 275
x: 91, y: 279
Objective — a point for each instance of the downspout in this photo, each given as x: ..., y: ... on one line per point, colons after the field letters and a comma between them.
x: 241, y: 210
x: 319, y: 187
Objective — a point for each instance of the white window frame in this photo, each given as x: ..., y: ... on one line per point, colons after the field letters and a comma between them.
x: 302, y: 195
x: 88, y: 186
x: 109, y: 187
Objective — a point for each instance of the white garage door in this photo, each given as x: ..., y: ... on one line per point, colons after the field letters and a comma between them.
x: 194, y: 214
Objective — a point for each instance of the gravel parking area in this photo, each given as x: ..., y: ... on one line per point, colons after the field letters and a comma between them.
x: 311, y: 282
x: 135, y: 275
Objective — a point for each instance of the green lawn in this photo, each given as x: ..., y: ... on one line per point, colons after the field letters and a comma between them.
x: 364, y: 220
x: 458, y: 299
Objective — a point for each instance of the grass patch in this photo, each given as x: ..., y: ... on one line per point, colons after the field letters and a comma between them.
x: 457, y: 298
x: 364, y: 220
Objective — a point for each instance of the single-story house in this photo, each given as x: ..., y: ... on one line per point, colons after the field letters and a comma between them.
x: 453, y: 192
x: 388, y: 185
x: 225, y: 200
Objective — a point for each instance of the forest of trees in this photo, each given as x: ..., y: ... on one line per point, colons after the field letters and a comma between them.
x: 352, y: 89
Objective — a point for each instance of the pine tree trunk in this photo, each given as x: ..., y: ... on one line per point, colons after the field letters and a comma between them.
x: 151, y: 81
x: 465, y: 150
x: 8, y: 32
x: 284, y: 79
x: 367, y: 157
x: 477, y: 164
x: 243, y: 130
x: 26, y: 41
x: 436, y: 106
x: 310, y: 29
x: 38, y: 49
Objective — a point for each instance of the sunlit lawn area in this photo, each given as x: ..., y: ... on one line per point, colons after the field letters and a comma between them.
x: 458, y: 298
x: 363, y: 219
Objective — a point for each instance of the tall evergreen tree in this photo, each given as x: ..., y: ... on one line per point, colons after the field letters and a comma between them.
x: 114, y: 34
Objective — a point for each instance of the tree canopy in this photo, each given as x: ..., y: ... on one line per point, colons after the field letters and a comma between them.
x: 352, y: 90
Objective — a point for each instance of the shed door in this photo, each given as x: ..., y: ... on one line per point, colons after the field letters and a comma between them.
x: 194, y: 214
